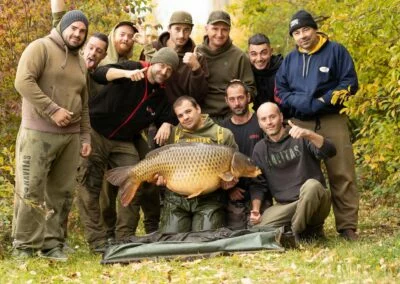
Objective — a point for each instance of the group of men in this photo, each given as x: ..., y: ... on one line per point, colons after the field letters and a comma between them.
x: 102, y: 103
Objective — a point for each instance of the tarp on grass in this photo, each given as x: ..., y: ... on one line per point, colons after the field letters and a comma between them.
x: 198, y: 244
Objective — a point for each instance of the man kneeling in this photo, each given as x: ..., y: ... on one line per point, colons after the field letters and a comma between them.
x: 289, y: 158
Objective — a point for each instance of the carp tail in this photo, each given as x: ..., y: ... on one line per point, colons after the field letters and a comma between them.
x: 122, y: 177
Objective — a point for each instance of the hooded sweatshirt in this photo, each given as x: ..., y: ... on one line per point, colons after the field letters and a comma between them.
x: 92, y: 87
x: 209, y: 133
x: 265, y: 81
x: 112, y: 54
x: 224, y: 64
x: 286, y: 165
x: 49, y: 77
x: 183, y: 81
x: 307, y: 81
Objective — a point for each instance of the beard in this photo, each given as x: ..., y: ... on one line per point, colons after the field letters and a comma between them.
x: 241, y: 111
x: 74, y: 48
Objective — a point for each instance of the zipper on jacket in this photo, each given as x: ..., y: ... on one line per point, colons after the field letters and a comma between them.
x: 306, y: 65
x: 132, y: 113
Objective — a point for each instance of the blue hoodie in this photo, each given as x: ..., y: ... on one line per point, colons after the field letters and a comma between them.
x: 305, y: 79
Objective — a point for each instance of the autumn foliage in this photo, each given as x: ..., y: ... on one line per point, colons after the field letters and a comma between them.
x: 370, y: 30
x: 21, y: 22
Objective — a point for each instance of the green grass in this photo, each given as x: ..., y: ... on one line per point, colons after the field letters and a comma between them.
x: 375, y: 258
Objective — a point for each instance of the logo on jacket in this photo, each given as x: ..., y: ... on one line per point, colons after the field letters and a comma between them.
x: 254, y: 136
x: 324, y: 69
x: 152, y: 112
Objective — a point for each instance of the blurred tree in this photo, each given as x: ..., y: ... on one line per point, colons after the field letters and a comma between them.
x: 370, y: 30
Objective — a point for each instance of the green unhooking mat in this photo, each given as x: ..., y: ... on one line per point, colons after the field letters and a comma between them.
x: 199, y: 244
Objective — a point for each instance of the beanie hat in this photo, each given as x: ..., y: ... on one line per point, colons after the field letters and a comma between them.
x: 219, y: 16
x: 301, y: 19
x: 71, y: 17
x: 166, y: 55
x: 181, y: 17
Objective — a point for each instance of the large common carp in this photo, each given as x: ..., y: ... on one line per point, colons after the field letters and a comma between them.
x: 190, y: 169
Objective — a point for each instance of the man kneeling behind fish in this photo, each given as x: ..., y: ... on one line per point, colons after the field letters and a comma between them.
x: 205, y: 207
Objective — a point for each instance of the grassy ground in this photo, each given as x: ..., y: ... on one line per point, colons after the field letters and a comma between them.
x: 375, y: 258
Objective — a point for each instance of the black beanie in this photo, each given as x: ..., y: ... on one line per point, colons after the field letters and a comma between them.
x: 301, y: 19
x: 71, y: 17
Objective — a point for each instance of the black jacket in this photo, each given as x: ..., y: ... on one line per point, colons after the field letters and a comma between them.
x: 123, y: 108
x: 265, y: 81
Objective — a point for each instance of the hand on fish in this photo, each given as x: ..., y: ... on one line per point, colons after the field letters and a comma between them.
x: 163, y: 133
x: 229, y: 184
x: 160, y: 180
x: 236, y: 193
x: 255, y: 217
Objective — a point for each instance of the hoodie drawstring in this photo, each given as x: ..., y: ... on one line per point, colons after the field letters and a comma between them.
x: 64, y: 64
x: 306, y: 65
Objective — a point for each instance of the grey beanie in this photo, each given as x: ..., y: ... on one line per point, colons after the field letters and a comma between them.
x: 301, y: 19
x: 71, y: 17
x: 181, y: 17
x: 166, y: 55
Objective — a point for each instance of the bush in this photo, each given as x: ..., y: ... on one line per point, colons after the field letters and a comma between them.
x: 370, y: 31
x: 21, y: 23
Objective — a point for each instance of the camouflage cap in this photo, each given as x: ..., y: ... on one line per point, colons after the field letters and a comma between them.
x: 219, y: 16
x: 181, y: 17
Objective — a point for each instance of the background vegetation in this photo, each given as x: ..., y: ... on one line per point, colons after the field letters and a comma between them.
x: 369, y: 29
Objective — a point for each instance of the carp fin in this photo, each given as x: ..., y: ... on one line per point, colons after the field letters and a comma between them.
x: 118, y: 176
x: 195, y: 194
x: 128, y: 192
x: 122, y: 177
x: 227, y: 176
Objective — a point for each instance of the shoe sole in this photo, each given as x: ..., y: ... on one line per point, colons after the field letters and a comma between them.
x: 54, y: 258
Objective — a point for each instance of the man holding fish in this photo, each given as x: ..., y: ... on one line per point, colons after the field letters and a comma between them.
x: 202, y: 159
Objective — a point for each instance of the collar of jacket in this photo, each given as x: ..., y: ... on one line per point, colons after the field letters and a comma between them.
x: 165, y: 36
x: 207, y: 123
x: 322, y: 40
x: 222, y: 49
x: 283, y: 138
x: 55, y: 36
x: 112, y: 54
x: 273, y: 66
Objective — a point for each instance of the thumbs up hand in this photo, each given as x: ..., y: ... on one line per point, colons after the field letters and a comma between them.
x: 297, y: 132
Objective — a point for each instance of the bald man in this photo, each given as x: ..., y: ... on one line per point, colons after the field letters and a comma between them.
x: 289, y: 158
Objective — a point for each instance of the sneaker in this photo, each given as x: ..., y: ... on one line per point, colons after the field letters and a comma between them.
x: 349, y: 235
x: 67, y: 249
x: 100, y: 248
x: 313, y: 233
x: 286, y: 238
x: 111, y: 241
x: 54, y: 254
x: 22, y: 253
